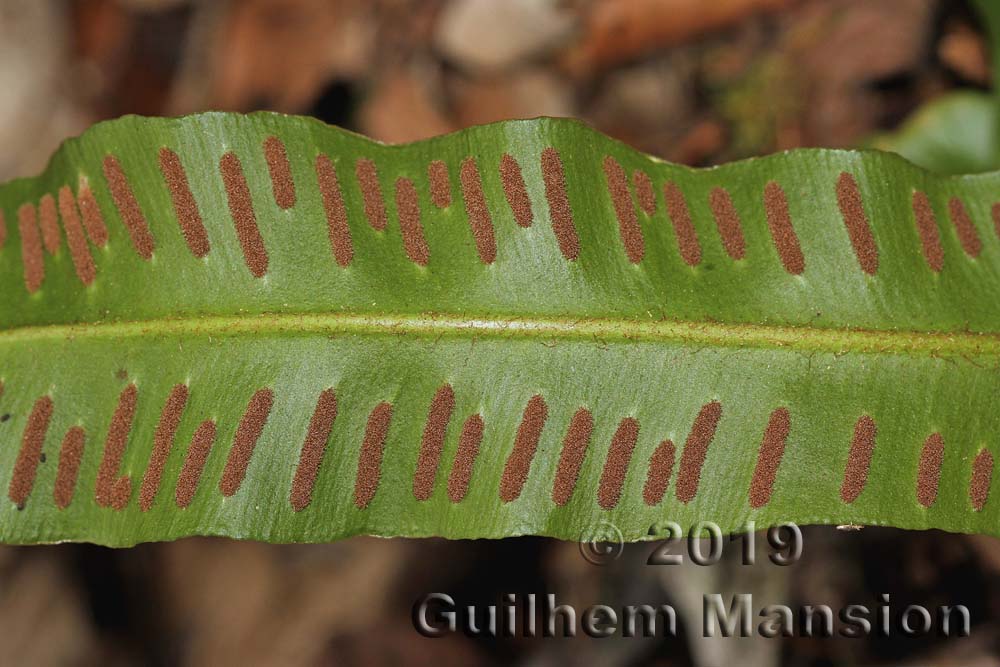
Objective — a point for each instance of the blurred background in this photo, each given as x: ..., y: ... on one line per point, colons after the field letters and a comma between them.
x: 694, y: 81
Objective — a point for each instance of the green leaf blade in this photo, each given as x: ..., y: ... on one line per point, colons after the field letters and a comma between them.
x: 653, y: 341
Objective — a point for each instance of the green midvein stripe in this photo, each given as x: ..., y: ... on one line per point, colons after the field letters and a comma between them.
x: 695, y: 334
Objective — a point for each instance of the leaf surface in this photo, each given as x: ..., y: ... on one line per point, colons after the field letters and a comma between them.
x: 264, y: 327
x: 954, y: 134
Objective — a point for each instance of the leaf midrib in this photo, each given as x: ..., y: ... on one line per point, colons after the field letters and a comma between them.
x: 695, y: 334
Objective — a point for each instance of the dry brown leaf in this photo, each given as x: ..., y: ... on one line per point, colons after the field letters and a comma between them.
x: 526, y: 94
x: 619, y: 31
x: 249, y: 603
x: 282, y: 52
x: 403, y: 108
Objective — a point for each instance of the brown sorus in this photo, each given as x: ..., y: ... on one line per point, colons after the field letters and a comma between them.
x: 515, y: 472
x: 982, y: 477
x: 437, y: 175
x: 727, y: 220
x: 409, y: 222
x: 313, y: 449
x: 465, y: 458
x: 859, y: 459
x: 128, y: 208
x: 26, y: 464
x: 559, y: 209
x: 112, y: 490
x: 858, y: 228
x: 371, y: 192
x: 574, y: 449
x: 336, y: 214
x: 370, y: 456
x: 478, y: 212
x: 121, y: 493
x: 616, y: 465
x: 661, y: 465
x: 644, y: 191
x: 432, y: 442
x: 185, y: 207
x: 70, y: 455
x: 621, y: 199
x: 163, y: 442
x: 280, y: 170
x: 929, y: 470
x: 695, y: 450
x: 680, y: 217
x: 245, y: 440
x: 772, y: 448
x: 967, y: 234
x: 930, y: 238
x: 779, y: 222
x: 79, y: 251
x: 194, y: 463
x: 241, y: 211
x: 93, y: 219
x: 31, y: 248
x: 515, y: 190
x: 48, y: 221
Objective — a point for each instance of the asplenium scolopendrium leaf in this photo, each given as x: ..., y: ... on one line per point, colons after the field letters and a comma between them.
x: 264, y: 327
